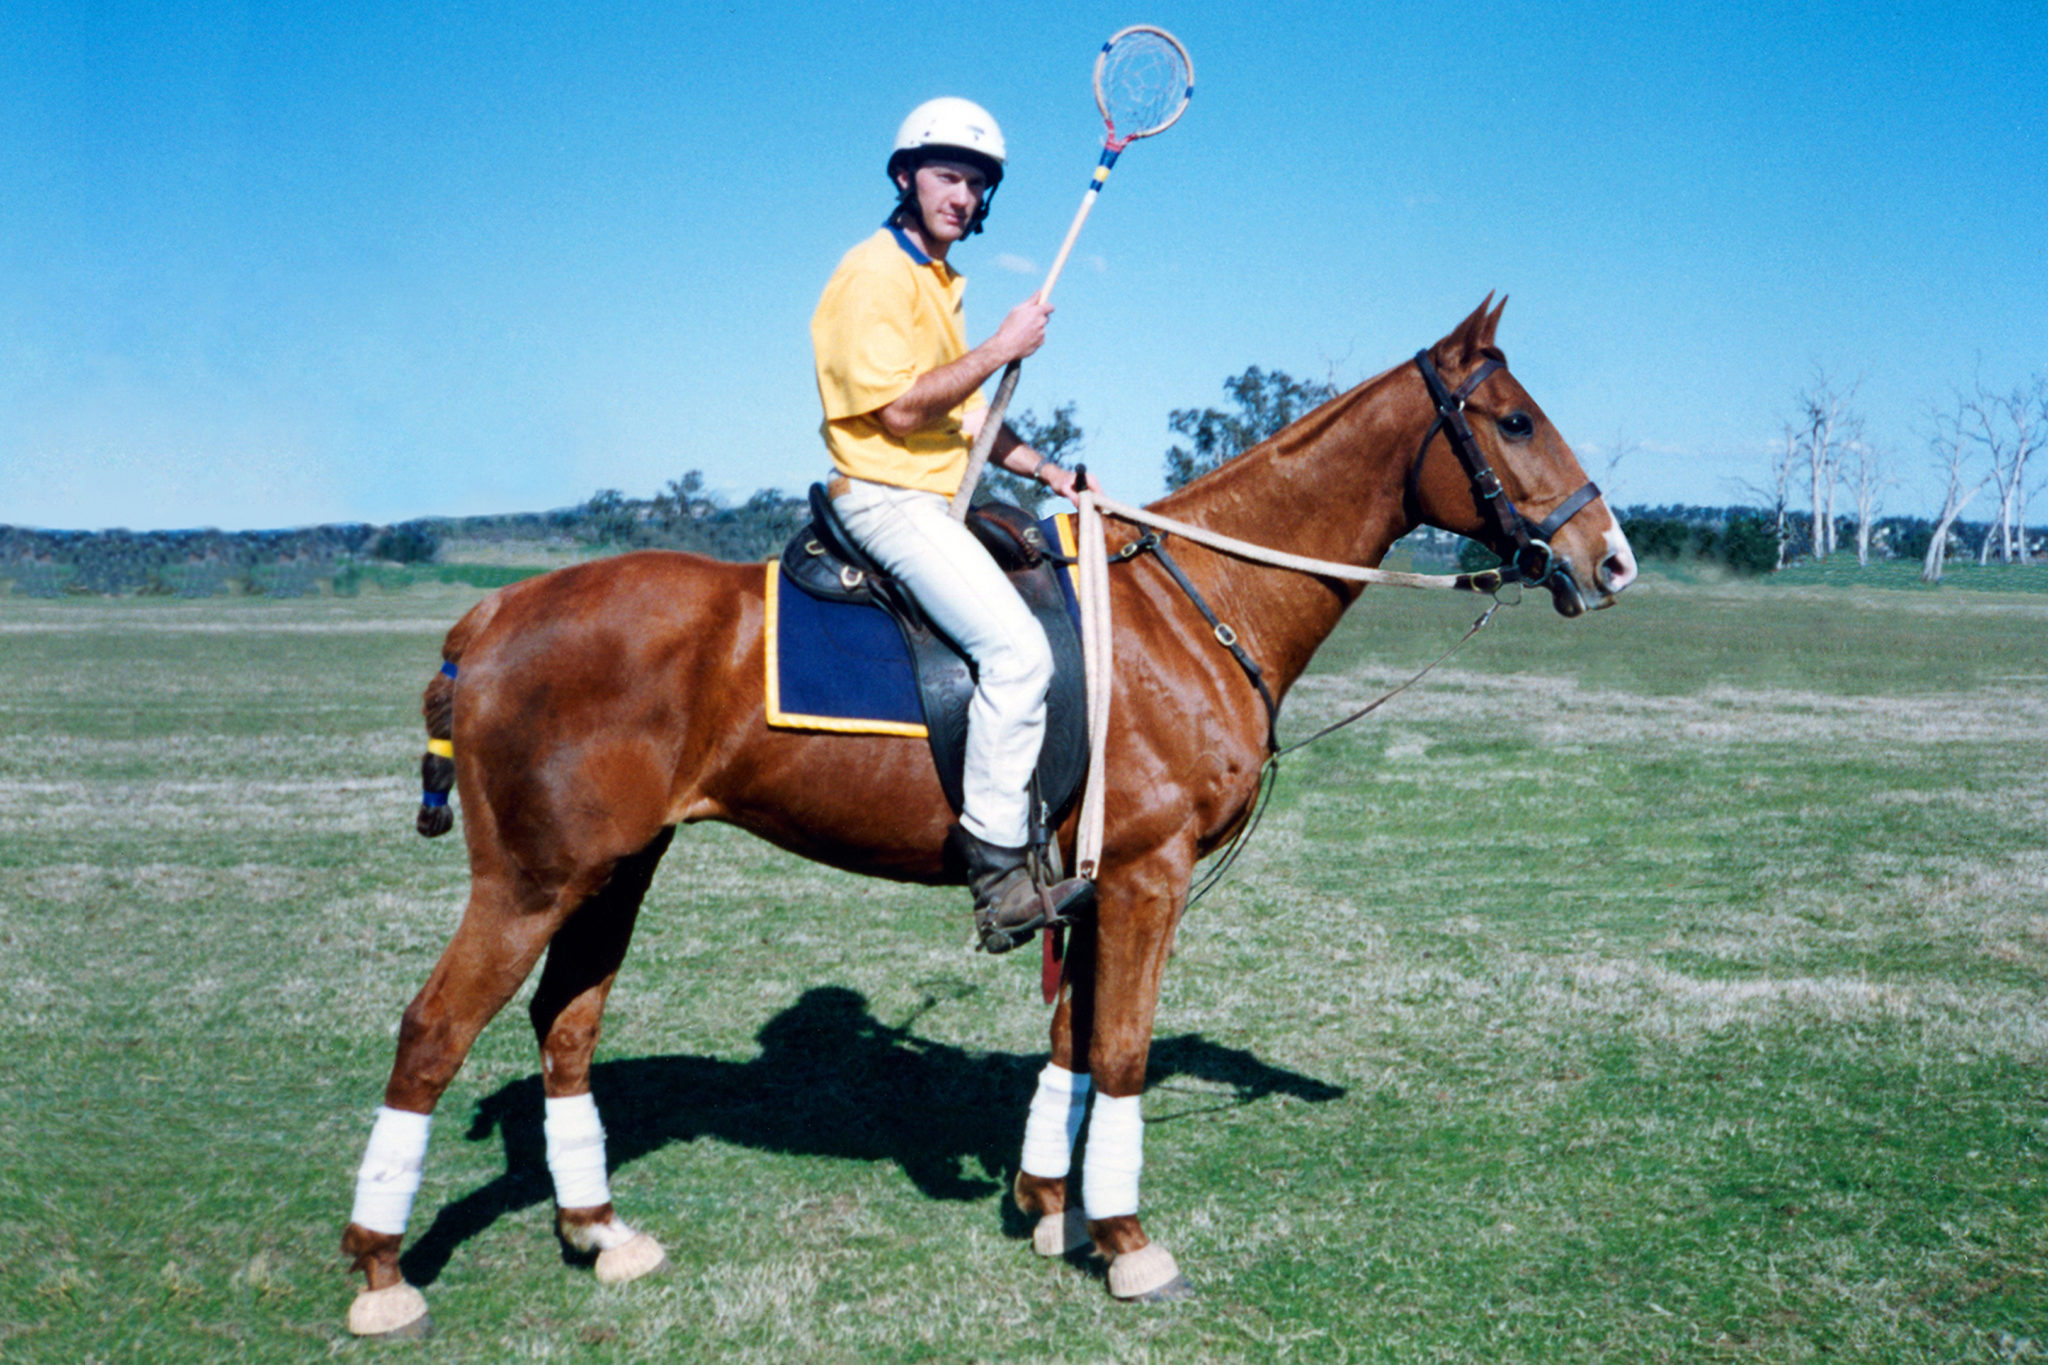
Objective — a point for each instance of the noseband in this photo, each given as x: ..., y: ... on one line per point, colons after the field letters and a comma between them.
x: 1529, y: 558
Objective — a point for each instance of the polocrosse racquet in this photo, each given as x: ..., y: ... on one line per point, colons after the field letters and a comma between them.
x: 1143, y: 81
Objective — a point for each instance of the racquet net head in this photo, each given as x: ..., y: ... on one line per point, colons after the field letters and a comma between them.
x: 1143, y: 80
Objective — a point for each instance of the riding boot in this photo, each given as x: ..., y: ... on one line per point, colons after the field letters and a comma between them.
x: 1009, y: 906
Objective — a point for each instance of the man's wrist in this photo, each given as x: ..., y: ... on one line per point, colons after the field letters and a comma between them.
x: 1038, y: 470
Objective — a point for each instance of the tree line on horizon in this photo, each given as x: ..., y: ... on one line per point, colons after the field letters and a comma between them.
x: 340, y: 557
x: 1987, y: 438
x: 1985, y: 442
x: 1825, y: 445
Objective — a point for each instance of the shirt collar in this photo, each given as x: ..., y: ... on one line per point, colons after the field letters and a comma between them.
x: 910, y: 248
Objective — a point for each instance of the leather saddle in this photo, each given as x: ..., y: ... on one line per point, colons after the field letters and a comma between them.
x: 823, y: 560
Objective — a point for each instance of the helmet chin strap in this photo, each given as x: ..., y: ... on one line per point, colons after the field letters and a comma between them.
x: 988, y: 197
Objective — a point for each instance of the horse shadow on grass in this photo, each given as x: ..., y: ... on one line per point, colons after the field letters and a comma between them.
x: 831, y: 1080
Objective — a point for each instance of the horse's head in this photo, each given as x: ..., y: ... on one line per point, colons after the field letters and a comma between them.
x: 1493, y: 468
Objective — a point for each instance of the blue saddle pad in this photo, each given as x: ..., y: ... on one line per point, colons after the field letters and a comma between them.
x: 843, y: 665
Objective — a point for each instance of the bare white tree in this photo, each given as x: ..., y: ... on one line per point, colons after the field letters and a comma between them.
x: 1951, y: 447
x: 2011, y: 428
x: 1827, y: 427
x: 2039, y: 419
x: 1848, y: 436
x: 1867, y: 482
x: 1777, y: 494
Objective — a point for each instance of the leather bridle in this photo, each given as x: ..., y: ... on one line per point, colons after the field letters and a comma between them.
x: 1523, y: 545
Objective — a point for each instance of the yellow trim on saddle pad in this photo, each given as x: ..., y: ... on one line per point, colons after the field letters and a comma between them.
x: 785, y: 720
x: 1070, y: 546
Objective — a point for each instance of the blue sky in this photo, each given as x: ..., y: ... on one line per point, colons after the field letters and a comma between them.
x: 270, y: 265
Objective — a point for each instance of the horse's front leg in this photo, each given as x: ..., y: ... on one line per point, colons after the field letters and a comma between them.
x: 1106, y: 1017
x: 1057, y: 1108
x: 1139, y: 908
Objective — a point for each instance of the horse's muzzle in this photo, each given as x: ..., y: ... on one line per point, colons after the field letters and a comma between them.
x: 1565, y: 593
x: 1617, y: 569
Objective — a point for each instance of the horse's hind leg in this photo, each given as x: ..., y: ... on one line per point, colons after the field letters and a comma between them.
x: 493, y: 950
x: 567, y: 1010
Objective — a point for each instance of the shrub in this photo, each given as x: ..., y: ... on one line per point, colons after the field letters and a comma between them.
x: 1750, y: 544
x: 407, y: 543
x: 1746, y: 542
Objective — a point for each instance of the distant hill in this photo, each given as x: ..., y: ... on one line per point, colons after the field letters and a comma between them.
x: 492, y: 550
x: 487, y: 550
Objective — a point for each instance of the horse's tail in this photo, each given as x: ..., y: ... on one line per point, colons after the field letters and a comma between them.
x: 437, y: 706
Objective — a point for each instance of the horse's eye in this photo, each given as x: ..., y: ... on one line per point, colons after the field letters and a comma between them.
x: 1518, y: 426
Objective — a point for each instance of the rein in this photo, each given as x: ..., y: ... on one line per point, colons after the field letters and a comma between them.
x: 1528, y: 559
x: 1153, y: 542
x: 1269, y: 771
x: 1486, y: 580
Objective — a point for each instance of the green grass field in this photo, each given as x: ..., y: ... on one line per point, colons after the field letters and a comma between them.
x: 1671, y: 985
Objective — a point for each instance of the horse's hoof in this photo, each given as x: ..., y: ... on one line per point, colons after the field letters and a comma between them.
x: 1148, y: 1275
x: 1059, y: 1233
x: 628, y: 1262
x: 395, y: 1313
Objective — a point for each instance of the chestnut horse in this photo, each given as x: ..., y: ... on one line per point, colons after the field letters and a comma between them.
x: 596, y: 708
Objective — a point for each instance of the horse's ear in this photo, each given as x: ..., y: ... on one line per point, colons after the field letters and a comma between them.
x: 1492, y: 323
x: 1460, y: 349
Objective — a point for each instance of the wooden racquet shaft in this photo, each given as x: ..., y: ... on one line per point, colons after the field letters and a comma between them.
x: 985, y: 441
x: 1088, y: 198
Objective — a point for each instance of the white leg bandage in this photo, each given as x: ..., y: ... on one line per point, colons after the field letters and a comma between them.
x: 1055, y: 1119
x: 576, y: 1152
x: 1116, y: 1153
x: 390, y: 1174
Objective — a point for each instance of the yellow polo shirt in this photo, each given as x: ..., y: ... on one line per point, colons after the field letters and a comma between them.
x: 889, y: 314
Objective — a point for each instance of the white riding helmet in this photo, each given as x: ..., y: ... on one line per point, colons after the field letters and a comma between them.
x: 950, y: 124
x: 953, y: 128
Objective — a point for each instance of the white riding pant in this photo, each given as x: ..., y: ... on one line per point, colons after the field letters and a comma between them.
x: 913, y: 535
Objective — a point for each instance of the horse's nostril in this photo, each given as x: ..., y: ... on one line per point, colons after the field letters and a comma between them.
x: 1617, y: 572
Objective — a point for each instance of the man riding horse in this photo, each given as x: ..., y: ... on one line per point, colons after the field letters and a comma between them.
x: 902, y: 398
x: 574, y: 782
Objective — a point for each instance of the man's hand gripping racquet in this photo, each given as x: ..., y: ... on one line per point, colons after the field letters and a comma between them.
x: 1143, y: 81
